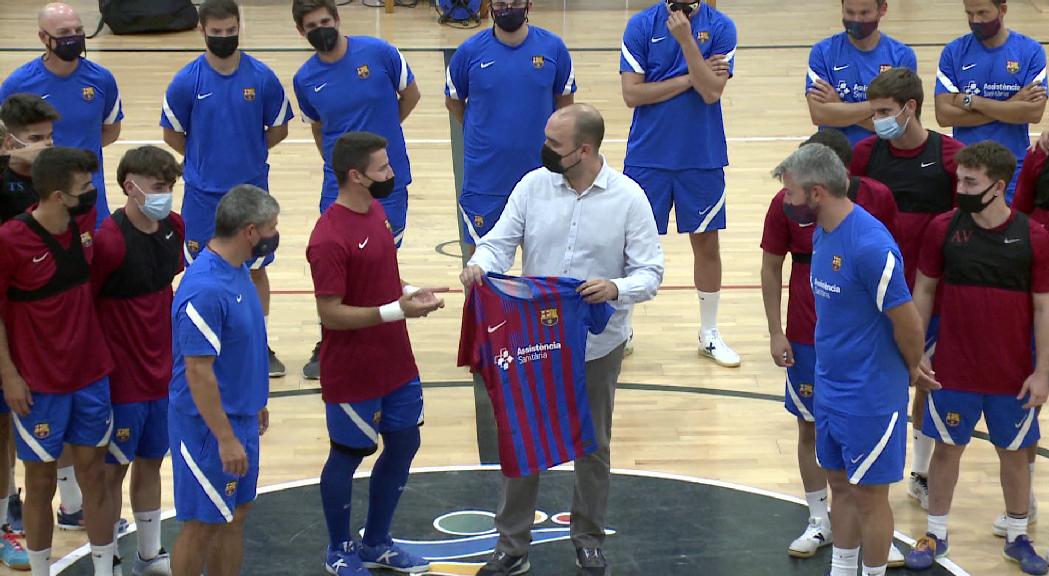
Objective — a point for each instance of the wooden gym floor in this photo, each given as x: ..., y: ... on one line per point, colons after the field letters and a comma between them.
x: 732, y: 431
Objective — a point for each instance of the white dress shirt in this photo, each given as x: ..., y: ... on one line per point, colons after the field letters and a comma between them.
x: 605, y: 232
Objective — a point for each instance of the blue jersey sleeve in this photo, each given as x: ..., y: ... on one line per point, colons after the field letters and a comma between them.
x: 457, y: 77
x: 946, y: 75
x: 276, y: 107
x: 908, y: 58
x: 1035, y: 66
x: 634, y: 52
x: 564, y: 81
x: 817, y: 67
x: 598, y: 316
x: 198, y: 325
x: 178, y: 105
x: 400, y: 73
x: 725, y: 43
x: 309, y: 113
x: 114, y: 107
x: 880, y: 271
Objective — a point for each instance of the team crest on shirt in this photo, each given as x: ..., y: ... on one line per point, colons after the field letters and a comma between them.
x: 805, y: 390
x: 249, y: 94
x: 478, y: 221
x: 231, y: 488
x: 538, y: 62
x: 85, y: 239
x: 363, y: 72
x: 703, y: 37
x: 954, y: 419
x: 835, y: 263
x: 42, y: 430
x: 504, y: 359
x: 549, y: 317
x: 884, y: 68
x: 193, y: 246
x: 377, y: 417
x: 123, y: 434
x: 1012, y: 66
x: 88, y: 93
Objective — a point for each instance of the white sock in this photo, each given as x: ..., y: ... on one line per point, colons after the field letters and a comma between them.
x: 879, y: 571
x: 102, y: 559
x: 843, y: 562
x: 69, y: 490
x: 708, y: 310
x: 938, y: 526
x: 1015, y: 527
x: 116, y: 531
x: 40, y: 562
x: 923, y: 447
x: 148, y: 524
x: 817, y: 504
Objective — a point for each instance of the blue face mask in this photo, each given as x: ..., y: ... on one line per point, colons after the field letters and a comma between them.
x: 157, y: 206
x: 889, y: 128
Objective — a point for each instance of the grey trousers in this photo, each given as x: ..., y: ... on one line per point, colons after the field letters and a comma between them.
x: 516, y: 514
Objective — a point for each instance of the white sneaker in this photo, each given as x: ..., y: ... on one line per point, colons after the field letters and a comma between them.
x: 1001, y: 524
x: 918, y: 488
x: 712, y: 346
x: 817, y: 535
x: 896, y: 559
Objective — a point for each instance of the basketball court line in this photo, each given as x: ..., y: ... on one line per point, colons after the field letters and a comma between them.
x: 85, y: 550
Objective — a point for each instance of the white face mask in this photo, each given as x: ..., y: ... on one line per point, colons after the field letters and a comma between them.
x: 157, y: 206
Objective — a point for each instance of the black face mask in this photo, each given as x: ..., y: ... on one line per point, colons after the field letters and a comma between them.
x: 67, y: 48
x: 687, y: 7
x: 266, y: 246
x: 223, y: 46
x: 511, y: 19
x: 973, y: 203
x: 85, y: 202
x: 859, y: 30
x: 552, y: 160
x: 380, y: 189
x: 323, y: 39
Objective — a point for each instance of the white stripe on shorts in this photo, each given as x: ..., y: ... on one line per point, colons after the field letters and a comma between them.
x: 805, y: 414
x: 360, y: 423
x: 876, y: 452
x: 937, y: 421
x: 210, y: 490
x: 31, y: 441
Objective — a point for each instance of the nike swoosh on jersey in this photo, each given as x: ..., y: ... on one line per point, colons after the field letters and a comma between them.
x: 240, y: 297
x: 837, y: 68
x: 806, y: 225
x: 170, y: 234
x: 319, y: 88
x: 486, y: 64
x: 658, y: 40
x: 1011, y: 240
x: 203, y: 96
x: 968, y: 67
x: 492, y: 329
x: 39, y: 259
x: 45, y: 96
x: 365, y: 243
x: 927, y: 164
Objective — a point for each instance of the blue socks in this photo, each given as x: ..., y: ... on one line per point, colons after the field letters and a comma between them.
x: 337, y: 494
x: 387, y: 482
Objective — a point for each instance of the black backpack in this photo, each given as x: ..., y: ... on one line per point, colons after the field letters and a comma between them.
x: 145, y: 16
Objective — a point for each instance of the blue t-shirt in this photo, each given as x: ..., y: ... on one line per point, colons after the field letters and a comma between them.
x: 87, y: 99
x: 857, y: 274
x: 967, y: 66
x: 357, y: 93
x: 510, y: 93
x: 216, y: 312
x: 225, y: 119
x: 684, y: 132
x: 849, y: 70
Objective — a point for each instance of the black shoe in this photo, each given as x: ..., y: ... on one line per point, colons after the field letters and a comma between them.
x: 503, y: 564
x: 591, y: 562
x: 277, y: 369
x: 312, y: 369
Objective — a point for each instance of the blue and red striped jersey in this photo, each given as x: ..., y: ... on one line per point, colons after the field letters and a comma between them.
x: 527, y: 339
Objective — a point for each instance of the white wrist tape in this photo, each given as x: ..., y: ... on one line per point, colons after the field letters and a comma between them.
x: 391, y: 312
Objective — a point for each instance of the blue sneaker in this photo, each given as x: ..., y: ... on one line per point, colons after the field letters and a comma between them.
x: 74, y: 521
x: 344, y: 561
x: 927, y: 550
x: 14, y: 514
x: 1022, y: 552
x: 12, y: 554
x: 392, y: 557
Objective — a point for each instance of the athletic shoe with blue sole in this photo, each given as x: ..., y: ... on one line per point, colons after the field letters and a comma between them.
x: 1022, y: 552
x: 927, y: 550
x: 344, y: 561
x: 392, y: 557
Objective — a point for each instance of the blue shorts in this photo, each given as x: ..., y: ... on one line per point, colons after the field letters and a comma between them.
x: 478, y: 213
x: 952, y: 415
x: 358, y: 424
x: 198, y: 211
x: 203, y: 490
x: 800, y: 382
x: 698, y: 197
x: 82, y: 418
x: 140, y: 430
x: 871, y: 450
x: 396, y: 207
